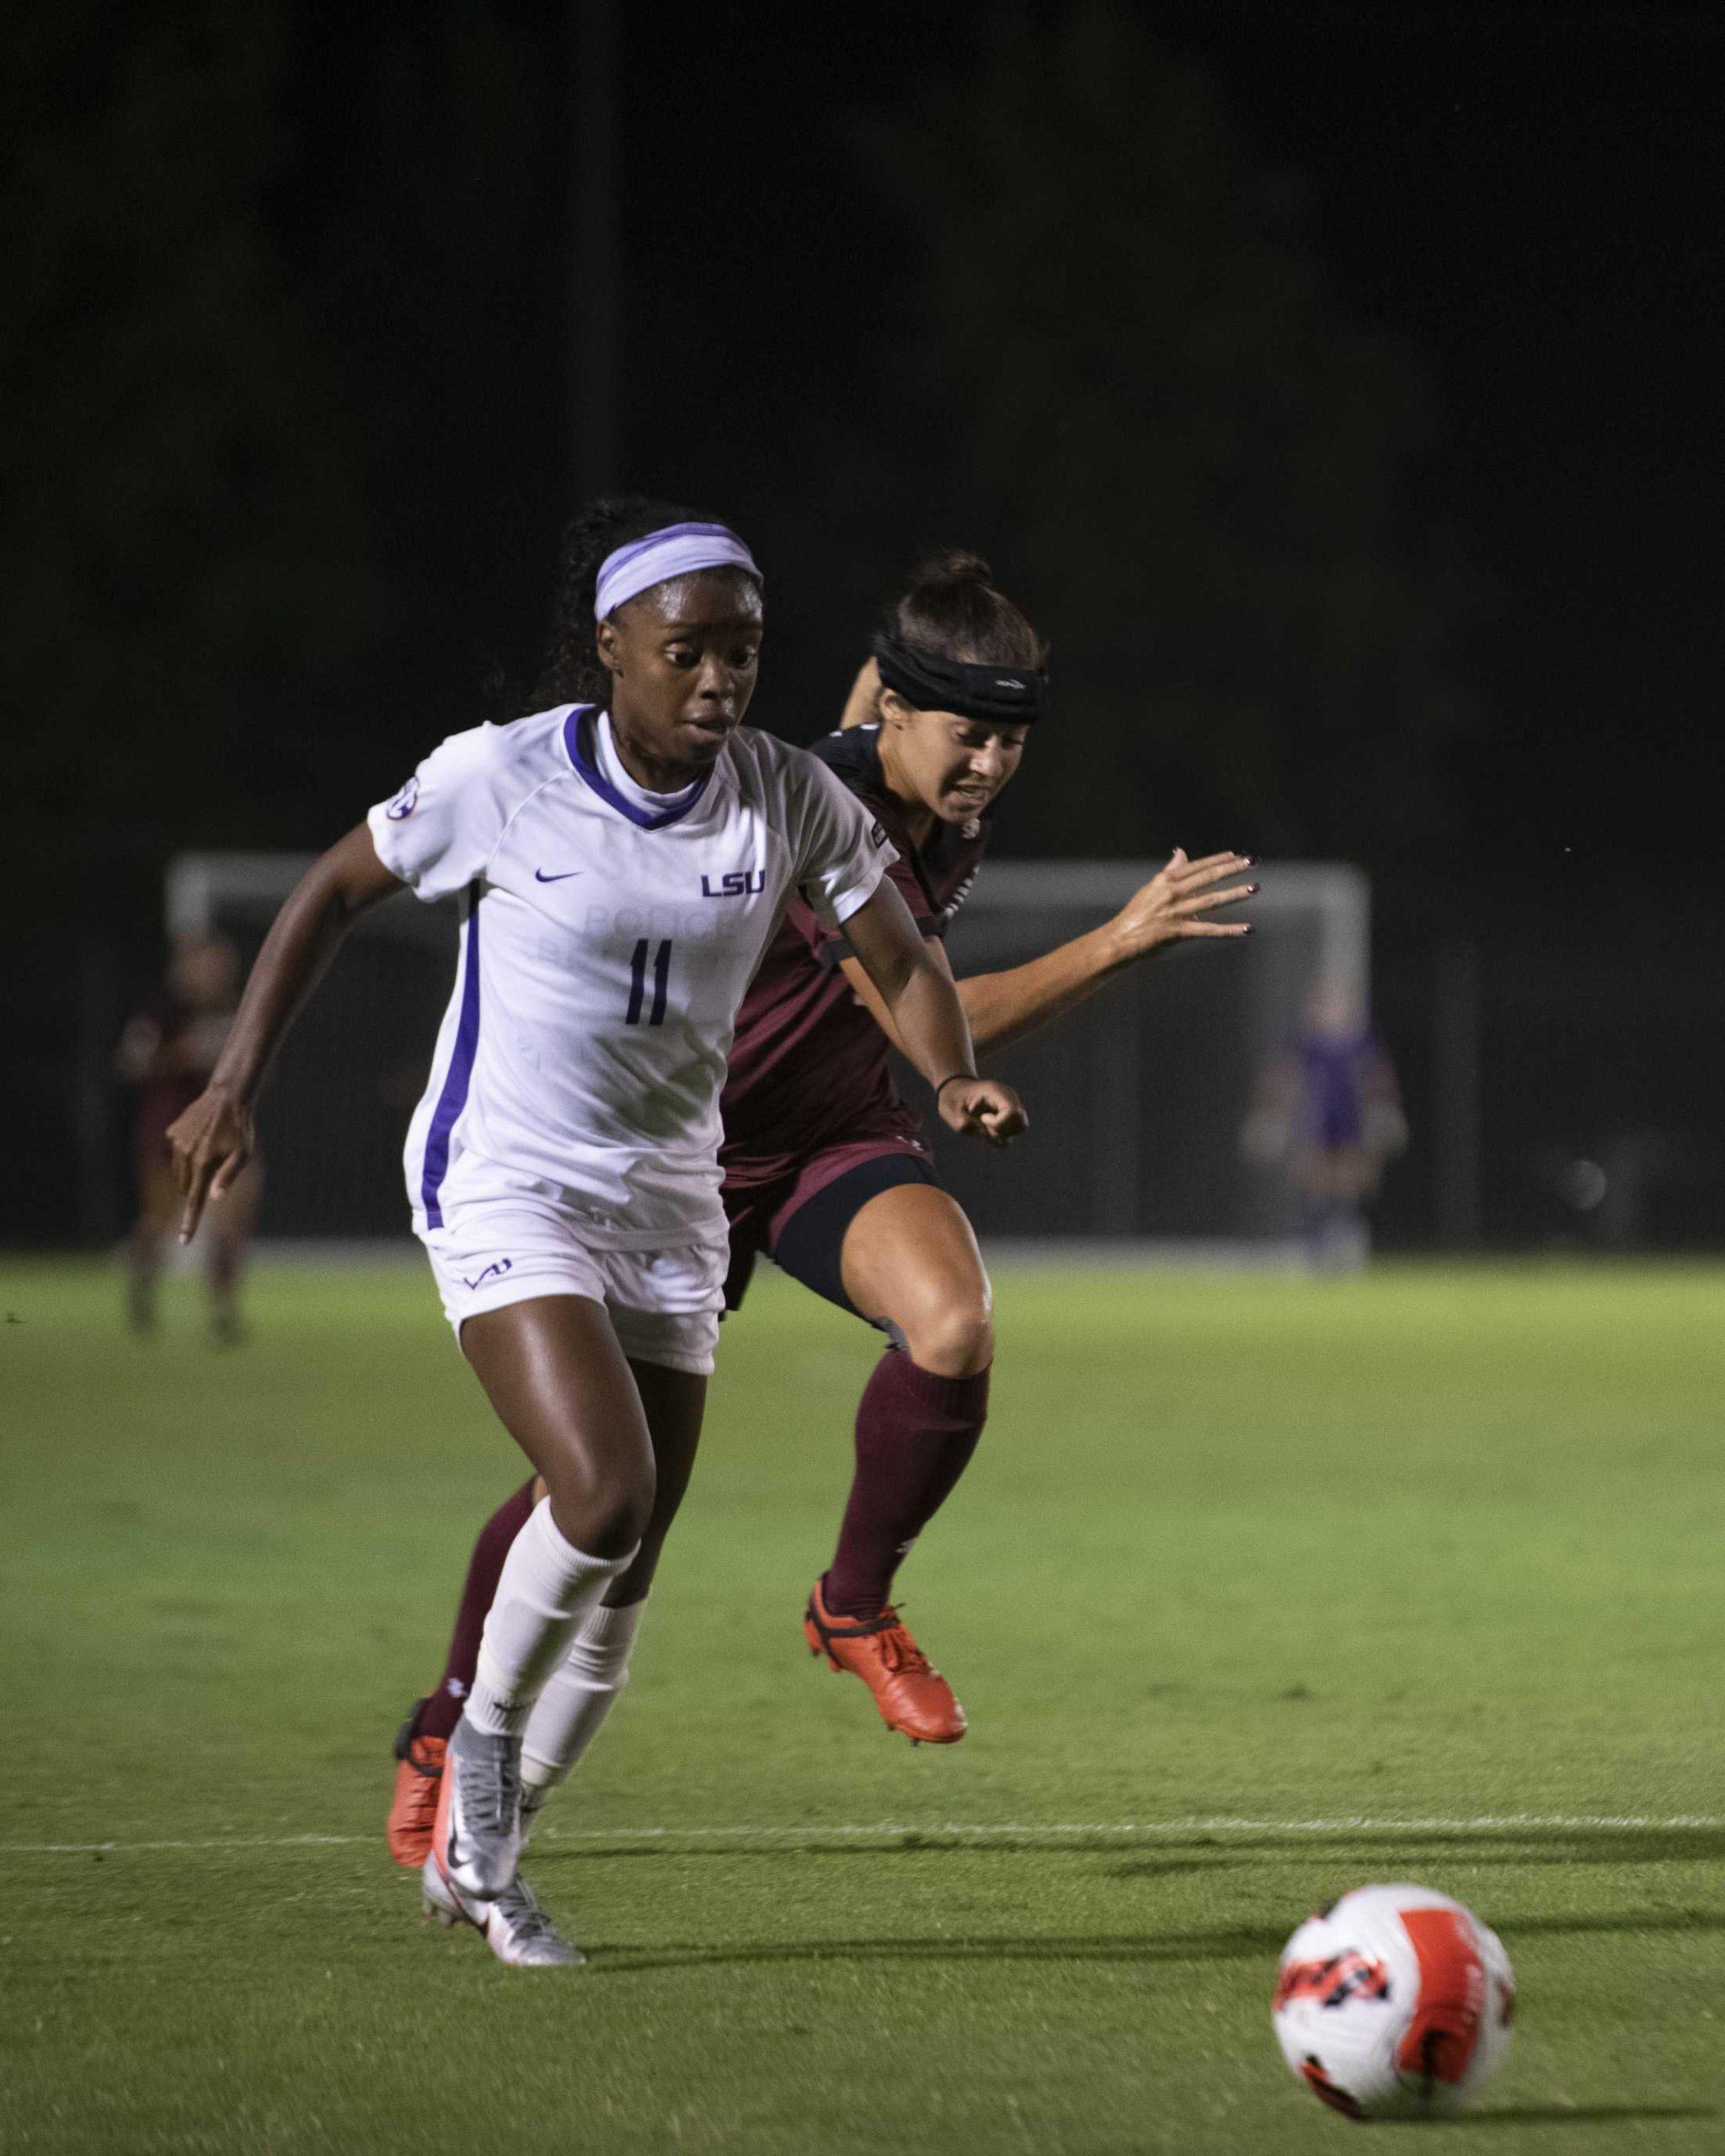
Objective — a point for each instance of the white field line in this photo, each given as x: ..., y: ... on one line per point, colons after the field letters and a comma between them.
x: 746, y: 1838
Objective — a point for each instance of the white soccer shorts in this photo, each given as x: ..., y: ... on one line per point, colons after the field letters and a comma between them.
x: 663, y: 1305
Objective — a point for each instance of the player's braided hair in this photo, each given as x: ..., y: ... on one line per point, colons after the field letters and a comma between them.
x: 953, y: 609
x: 571, y: 672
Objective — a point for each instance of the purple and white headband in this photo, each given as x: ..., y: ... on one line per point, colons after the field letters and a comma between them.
x: 678, y: 550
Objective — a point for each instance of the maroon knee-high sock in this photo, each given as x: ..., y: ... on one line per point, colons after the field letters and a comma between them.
x: 916, y: 1433
x: 443, y: 1709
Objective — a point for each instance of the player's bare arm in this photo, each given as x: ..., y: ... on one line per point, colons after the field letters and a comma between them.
x: 216, y: 1137
x: 864, y: 699
x: 1171, y: 908
x: 926, y: 1019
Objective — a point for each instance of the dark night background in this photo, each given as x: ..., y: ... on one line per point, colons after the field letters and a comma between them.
x: 1340, y: 386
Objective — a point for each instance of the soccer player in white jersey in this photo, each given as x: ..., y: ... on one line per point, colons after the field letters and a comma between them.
x: 620, y: 872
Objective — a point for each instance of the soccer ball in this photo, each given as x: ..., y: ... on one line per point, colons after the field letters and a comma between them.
x: 1394, y: 2003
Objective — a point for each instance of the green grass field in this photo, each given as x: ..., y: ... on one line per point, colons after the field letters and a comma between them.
x: 1239, y: 1557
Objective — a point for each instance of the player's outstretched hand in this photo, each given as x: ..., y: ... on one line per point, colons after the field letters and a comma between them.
x: 211, y: 1143
x: 983, y: 1107
x: 1171, y: 907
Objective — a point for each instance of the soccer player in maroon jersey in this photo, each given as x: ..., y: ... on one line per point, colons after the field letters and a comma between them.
x: 827, y: 1172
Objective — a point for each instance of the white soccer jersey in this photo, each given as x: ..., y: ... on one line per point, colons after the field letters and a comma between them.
x: 604, y: 949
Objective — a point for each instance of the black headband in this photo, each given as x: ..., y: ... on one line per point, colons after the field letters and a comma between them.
x: 1008, y: 695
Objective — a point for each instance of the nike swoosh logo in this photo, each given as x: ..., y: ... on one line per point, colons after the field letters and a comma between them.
x: 563, y: 877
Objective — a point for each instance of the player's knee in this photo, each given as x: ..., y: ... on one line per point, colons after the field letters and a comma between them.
x: 610, y: 1526
x: 624, y: 1516
x: 953, y: 1337
x: 607, y: 1515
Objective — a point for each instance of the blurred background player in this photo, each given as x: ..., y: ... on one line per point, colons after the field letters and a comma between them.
x: 827, y: 1170
x: 1329, y: 1112
x: 167, y: 1052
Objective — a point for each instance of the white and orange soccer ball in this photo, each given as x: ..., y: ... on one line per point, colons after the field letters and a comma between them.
x: 1394, y: 2003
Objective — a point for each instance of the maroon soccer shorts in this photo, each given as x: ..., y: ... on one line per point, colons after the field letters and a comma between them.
x: 799, y: 1217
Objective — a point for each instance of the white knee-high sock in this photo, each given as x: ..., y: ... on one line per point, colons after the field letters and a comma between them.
x: 546, y: 1586
x: 578, y: 1694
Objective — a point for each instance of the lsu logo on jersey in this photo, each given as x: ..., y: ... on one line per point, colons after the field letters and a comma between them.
x: 404, y: 803
x: 735, y: 883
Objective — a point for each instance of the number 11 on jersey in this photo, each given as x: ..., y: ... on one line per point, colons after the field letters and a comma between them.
x: 637, y: 982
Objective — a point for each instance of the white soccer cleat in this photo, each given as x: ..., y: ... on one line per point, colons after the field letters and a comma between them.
x: 476, y: 1841
x: 516, y: 1930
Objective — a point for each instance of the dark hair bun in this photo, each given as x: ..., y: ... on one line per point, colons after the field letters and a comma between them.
x: 952, y: 609
x: 953, y: 565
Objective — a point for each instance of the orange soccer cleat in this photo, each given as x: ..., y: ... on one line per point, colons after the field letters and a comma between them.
x: 413, y: 1809
x: 912, y: 1696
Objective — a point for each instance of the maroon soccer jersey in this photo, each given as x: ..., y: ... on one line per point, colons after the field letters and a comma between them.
x: 810, y: 1067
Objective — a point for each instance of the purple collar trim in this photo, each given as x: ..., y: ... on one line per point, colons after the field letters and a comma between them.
x: 576, y: 729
